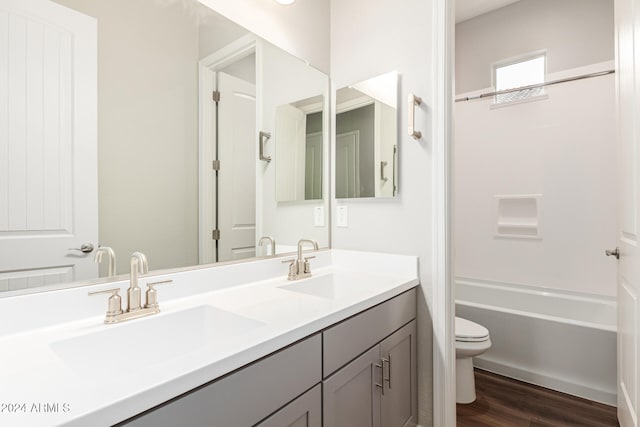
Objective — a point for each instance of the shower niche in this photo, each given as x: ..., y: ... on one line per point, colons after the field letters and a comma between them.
x: 518, y: 216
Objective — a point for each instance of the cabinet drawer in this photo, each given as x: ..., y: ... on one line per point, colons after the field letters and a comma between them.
x: 249, y: 395
x: 350, y: 338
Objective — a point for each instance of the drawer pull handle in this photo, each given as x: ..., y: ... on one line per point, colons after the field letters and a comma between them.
x: 388, y: 362
x: 381, y: 366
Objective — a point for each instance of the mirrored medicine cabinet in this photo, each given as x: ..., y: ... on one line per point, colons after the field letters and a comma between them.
x: 366, y: 138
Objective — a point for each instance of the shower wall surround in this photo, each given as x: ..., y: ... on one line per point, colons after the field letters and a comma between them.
x: 558, y: 149
x: 561, y: 150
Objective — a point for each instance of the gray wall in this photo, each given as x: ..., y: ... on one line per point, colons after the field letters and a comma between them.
x: 361, y: 119
x: 574, y: 33
x: 314, y: 122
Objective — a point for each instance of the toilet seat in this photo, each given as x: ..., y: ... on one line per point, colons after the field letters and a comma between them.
x: 468, y: 331
x: 471, y: 341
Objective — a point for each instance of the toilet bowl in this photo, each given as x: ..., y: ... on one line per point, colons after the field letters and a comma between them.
x: 471, y: 340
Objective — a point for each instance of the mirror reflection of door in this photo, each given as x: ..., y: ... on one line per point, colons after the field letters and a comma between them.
x: 360, y: 119
x: 299, y: 150
x: 313, y: 167
x: 236, y: 204
x: 313, y: 156
x: 348, y: 164
x: 48, y: 190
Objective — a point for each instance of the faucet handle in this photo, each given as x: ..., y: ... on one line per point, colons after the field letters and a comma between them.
x: 114, y: 307
x: 293, y: 268
x: 307, y: 265
x: 152, y: 295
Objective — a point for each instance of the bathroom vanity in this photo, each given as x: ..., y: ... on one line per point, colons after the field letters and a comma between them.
x: 353, y: 372
x: 233, y: 345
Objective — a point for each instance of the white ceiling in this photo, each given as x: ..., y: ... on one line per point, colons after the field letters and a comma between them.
x: 467, y: 9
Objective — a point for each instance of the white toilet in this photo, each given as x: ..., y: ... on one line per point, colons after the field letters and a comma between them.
x: 471, y: 340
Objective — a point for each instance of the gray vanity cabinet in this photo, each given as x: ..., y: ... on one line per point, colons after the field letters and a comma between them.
x: 305, y: 411
x: 360, y: 372
x: 378, y: 389
x: 377, y: 386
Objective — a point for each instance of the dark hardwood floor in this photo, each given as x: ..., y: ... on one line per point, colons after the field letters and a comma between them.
x: 504, y: 402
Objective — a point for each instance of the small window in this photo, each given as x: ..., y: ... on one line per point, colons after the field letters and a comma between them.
x: 526, y: 72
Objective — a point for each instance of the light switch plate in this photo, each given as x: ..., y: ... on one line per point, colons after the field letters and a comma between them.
x: 318, y: 216
x: 342, y: 216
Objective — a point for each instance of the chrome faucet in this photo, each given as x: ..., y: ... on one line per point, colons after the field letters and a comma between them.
x: 115, y: 314
x: 300, y: 267
x: 110, y: 254
x: 269, y: 239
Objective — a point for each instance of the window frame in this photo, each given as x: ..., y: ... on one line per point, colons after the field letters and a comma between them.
x: 516, y: 60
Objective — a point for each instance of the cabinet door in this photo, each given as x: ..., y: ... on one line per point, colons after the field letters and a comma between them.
x: 305, y: 411
x: 351, y: 397
x: 399, y: 393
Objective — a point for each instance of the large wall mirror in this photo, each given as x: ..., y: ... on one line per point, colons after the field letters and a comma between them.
x: 135, y: 125
x: 366, y: 138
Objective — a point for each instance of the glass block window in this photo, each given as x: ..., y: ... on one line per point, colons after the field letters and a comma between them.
x: 526, y: 72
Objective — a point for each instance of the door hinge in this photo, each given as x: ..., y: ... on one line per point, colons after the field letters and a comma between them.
x: 215, y: 234
x: 215, y: 96
x: 215, y: 165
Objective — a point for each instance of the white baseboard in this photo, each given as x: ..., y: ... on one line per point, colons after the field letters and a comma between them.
x: 542, y: 380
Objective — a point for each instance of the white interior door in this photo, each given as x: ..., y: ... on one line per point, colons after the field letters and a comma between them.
x: 48, y: 188
x: 348, y: 164
x: 237, y: 175
x: 628, y: 92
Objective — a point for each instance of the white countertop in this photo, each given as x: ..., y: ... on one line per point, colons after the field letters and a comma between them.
x: 41, y: 385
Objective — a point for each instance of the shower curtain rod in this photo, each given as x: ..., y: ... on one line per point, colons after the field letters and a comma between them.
x: 553, y: 82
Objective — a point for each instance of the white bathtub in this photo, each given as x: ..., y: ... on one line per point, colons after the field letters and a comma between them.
x: 560, y: 340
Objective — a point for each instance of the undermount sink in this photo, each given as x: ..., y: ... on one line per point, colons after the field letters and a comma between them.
x: 117, y: 349
x: 328, y: 286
